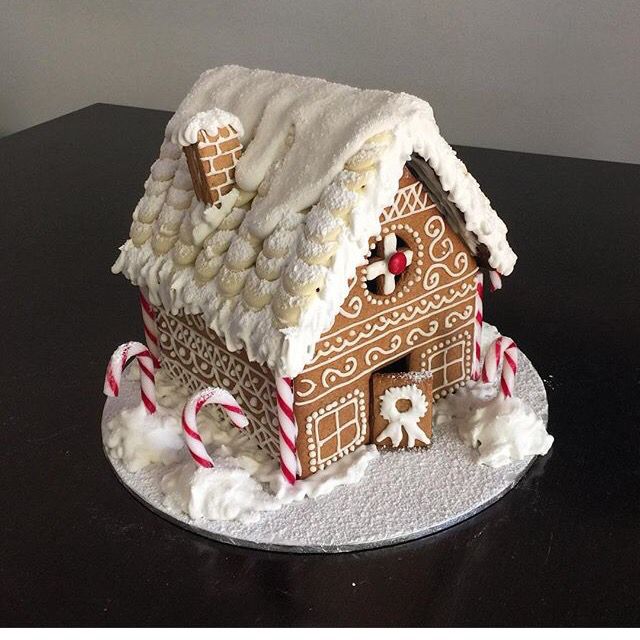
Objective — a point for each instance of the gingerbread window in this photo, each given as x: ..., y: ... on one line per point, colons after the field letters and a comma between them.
x: 336, y: 429
x: 390, y: 259
x: 395, y: 264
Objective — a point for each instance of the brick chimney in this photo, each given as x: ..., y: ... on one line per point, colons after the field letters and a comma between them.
x: 212, y: 161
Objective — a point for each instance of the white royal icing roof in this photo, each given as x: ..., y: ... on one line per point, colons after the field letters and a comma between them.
x: 313, y: 150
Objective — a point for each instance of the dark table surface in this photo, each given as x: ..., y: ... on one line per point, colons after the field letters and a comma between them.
x: 562, y: 548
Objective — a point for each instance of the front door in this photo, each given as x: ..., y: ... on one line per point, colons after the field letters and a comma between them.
x: 401, y: 409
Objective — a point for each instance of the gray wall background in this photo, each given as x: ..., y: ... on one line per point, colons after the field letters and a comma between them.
x: 558, y: 77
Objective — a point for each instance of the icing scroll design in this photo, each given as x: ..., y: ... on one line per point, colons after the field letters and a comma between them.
x: 352, y: 308
x: 452, y: 318
x: 373, y: 355
x: 330, y: 375
x: 435, y: 229
x: 311, y: 387
x: 414, y: 336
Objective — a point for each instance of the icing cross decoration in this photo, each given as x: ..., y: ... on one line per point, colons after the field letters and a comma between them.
x: 403, y: 420
x: 391, y: 265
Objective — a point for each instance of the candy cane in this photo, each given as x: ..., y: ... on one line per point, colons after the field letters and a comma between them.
x: 150, y: 328
x: 477, y: 353
x: 117, y: 363
x: 496, y: 280
x: 210, y: 395
x: 505, y: 348
x: 288, y: 429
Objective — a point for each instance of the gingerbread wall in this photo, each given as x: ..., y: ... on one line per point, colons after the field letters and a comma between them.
x: 428, y: 319
x: 197, y: 358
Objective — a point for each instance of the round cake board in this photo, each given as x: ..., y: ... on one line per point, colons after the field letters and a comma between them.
x: 403, y: 495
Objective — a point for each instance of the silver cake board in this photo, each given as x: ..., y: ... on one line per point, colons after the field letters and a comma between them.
x: 403, y: 495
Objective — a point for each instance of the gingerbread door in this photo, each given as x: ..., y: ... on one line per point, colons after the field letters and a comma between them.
x: 402, y: 409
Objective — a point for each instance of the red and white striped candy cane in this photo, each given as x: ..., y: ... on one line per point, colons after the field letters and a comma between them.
x: 150, y: 328
x: 502, y: 348
x: 477, y: 349
x: 496, y: 280
x: 210, y: 395
x: 288, y: 429
x: 116, y: 365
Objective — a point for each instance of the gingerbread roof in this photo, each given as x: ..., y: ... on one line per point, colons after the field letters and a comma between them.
x: 270, y: 262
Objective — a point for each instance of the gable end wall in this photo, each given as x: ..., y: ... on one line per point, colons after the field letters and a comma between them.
x: 428, y: 320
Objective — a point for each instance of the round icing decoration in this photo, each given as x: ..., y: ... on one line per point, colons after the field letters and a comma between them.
x: 178, y: 198
x: 163, y: 169
x: 139, y: 233
x: 218, y: 242
x: 171, y: 215
x: 316, y: 253
x: 233, y: 220
x: 286, y: 308
x: 397, y: 263
x: 244, y: 197
x: 161, y: 243
x: 361, y: 161
x: 183, y: 253
x: 257, y: 293
x: 155, y: 188
x: 269, y: 268
x: 355, y: 182
x: 148, y: 208
x: 205, y: 267
x: 186, y: 231
x: 169, y: 229
x: 182, y: 180
x: 240, y: 255
x: 303, y: 279
x: 230, y: 282
x: 278, y: 244
x: 321, y: 226
x: 170, y: 150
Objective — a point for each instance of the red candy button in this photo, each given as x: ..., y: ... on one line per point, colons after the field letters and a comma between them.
x: 397, y: 263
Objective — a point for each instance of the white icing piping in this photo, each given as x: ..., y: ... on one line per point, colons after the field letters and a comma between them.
x: 210, y: 121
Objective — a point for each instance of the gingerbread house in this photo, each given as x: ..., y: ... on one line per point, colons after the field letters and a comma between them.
x: 302, y: 231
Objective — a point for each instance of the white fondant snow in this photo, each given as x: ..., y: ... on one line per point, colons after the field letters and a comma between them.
x: 502, y: 429
x: 140, y: 439
x: 226, y: 492
x: 404, y: 495
x: 244, y: 482
x: 210, y: 120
